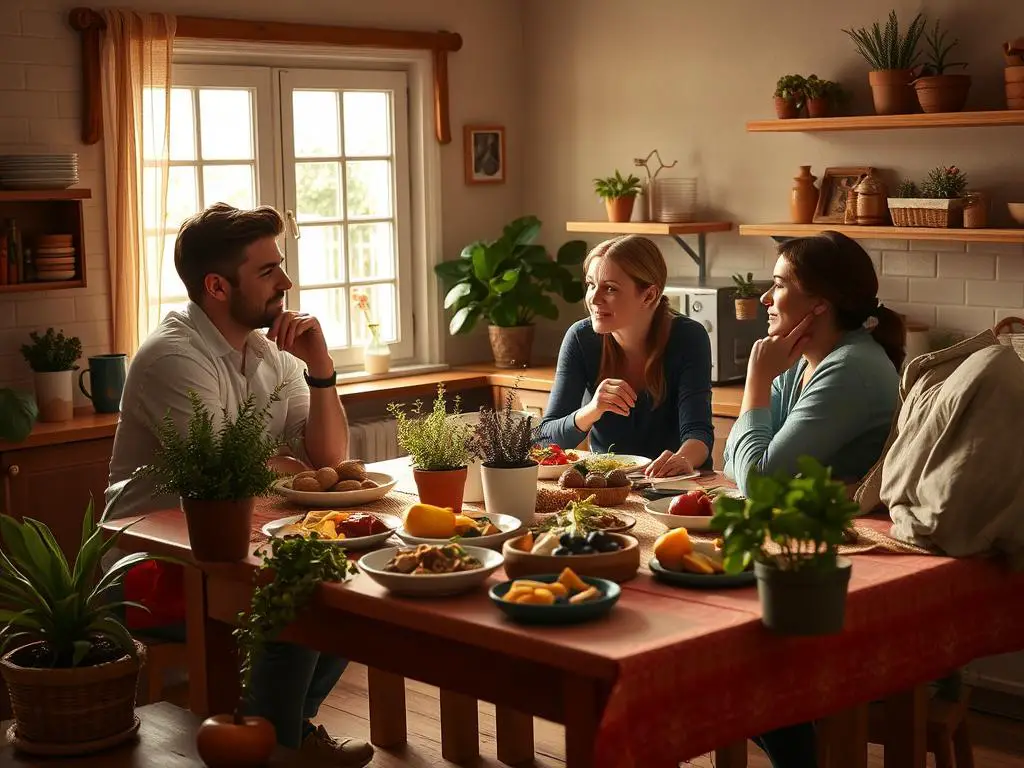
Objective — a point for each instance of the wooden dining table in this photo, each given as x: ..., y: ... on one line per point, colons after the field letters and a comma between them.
x: 668, y: 675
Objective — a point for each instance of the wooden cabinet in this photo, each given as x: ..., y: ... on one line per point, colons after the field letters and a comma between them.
x: 35, y: 213
x: 531, y: 401
x: 722, y: 427
x: 52, y: 484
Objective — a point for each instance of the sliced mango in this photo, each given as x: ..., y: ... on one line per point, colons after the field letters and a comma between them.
x: 429, y: 522
x: 516, y: 592
x: 591, y: 593
x: 695, y: 562
x: 525, y: 544
x: 571, y: 581
x: 544, y: 596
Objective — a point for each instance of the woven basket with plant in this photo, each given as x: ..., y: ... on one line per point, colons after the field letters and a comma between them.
x: 938, y: 203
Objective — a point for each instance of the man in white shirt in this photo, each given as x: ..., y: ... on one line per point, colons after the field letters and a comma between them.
x: 231, y: 266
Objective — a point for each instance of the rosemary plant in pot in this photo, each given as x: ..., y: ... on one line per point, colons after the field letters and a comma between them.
x: 440, y: 449
x: 286, y: 582
x: 791, y: 527
x: 52, y: 358
x: 69, y: 663
x: 503, y: 440
x: 892, y: 56
x: 217, y: 471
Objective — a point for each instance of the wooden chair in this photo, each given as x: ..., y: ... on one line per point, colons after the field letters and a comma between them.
x: 947, y: 733
x: 161, y: 656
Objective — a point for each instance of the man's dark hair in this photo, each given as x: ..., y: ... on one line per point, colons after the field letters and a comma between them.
x: 214, y: 242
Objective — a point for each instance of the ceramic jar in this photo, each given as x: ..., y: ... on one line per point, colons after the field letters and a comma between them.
x: 872, y: 208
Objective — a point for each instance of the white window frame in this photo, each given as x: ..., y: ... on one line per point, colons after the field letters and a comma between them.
x: 425, y: 222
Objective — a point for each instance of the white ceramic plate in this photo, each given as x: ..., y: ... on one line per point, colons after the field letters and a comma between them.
x: 510, y: 526
x: 430, y: 584
x: 393, y: 522
x: 659, y: 511
x: 338, y: 499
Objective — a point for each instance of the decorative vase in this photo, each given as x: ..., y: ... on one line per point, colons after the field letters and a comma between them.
x: 511, y: 491
x: 892, y: 92
x: 809, y: 601
x: 619, y: 208
x: 55, y: 395
x: 441, y: 487
x: 942, y: 93
x: 376, y: 354
x: 804, y: 198
x: 218, y: 530
x: 511, y: 346
x: 871, y: 207
x: 226, y: 742
x: 786, y: 108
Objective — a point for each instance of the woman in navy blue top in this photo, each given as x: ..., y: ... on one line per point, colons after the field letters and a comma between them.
x: 634, y: 375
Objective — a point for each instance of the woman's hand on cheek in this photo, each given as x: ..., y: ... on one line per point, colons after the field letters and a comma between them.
x: 774, y: 355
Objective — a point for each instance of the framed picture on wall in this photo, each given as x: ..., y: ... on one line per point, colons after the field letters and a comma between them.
x: 484, y: 146
x: 835, y: 186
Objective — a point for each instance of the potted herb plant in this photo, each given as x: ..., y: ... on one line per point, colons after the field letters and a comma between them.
x: 822, y: 97
x: 936, y: 90
x: 892, y: 56
x: 52, y: 358
x: 69, y: 663
x: 18, y: 413
x: 440, y: 447
x: 746, y: 297
x: 217, y: 471
x: 286, y: 580
x: 791, y: 527
x: 938, y: 203
x: 789, y: 96
x: 509, y: 282
x: 619, y: 194
x: 503, y: 440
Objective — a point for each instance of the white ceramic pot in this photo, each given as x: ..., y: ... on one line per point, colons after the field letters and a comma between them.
x: 474, y: 493
x: 55, y: 395
x: 511, y: 492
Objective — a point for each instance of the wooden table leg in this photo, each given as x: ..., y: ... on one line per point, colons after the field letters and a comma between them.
x: 514, y: 736
x: 732, y: 756
x: 583, y: 705
x: 906, y: 724
x: 386, y: 694
x: 460, y: 727
x: 211, y: 651
x: 843, y: 739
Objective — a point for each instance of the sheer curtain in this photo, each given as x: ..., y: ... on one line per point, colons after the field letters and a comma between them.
x: 136, y: 76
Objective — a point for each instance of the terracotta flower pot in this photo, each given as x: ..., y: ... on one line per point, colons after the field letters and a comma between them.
x: 219, y: 531
x: 224, y: 742
x: 620, y: 208
x: 1014, y: 79
x: 942, y: 93
x: 747, y: 309
x: 819, y: 107
x: 441, y: 487
x: 786, y: 108
x: 892, y: 92
x: 512, y: 347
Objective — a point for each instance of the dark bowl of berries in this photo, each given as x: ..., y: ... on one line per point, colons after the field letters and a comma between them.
x: 604, y: 555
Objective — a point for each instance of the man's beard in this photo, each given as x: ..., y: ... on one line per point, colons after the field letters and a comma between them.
x: 249, y: 316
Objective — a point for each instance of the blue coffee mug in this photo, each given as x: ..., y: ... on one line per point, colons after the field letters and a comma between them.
x: 107, y: 374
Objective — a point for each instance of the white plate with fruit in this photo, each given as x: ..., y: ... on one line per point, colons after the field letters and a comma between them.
x: 553, y: 460
x: 682, y: 562
x: 437, y: 525
x: 691, y: 510
x: 346, y: 485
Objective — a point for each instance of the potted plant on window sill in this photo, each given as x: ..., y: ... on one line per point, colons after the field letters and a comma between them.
x: 217, y: 471
x: 746, y: 297
x: 791, y: 527
x: 619, y: 194
x: 440, y: 446
x: 69, y: 663
x: 938, y: 203
x: 936, y: 90
x: 892, y: 57
x: 286, y: 582
x: 507, y: 282
x: 52, y: 358
x: 503, y: 440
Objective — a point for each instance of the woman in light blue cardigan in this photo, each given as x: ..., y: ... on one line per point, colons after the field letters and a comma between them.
x: 823, y: 383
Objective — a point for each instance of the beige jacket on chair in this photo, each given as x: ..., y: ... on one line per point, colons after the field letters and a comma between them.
x: 952, y: 472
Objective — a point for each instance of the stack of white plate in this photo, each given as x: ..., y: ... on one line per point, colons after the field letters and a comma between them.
x: 674, y: 200
x: 38, y: 171
x: 54, y: 257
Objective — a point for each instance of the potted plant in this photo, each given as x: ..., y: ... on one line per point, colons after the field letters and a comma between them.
x: 507, y: 282
x: 789, y: 96
x: 217, y: 471
x: 18, y: 413
x: 619, y: 194
x: 70, y: 665
x: 286, y: 580
x: 936, y: 90
x: 503, y: 440
x: 52, y: 358
x: 939, y: 203
x: 892, y: 57
x: 791, y: 528
x: 823, y: 97
x: 746, y: 297
x: 440, y: 447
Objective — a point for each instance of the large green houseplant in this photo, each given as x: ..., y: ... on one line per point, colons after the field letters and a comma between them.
x: 892, y: 56
x: 69, y: 663
x: 791, y: 527
x: 218, y: 472
x: 508, y: 283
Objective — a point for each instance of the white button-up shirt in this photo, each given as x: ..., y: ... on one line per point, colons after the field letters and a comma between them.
x: 187, y: 352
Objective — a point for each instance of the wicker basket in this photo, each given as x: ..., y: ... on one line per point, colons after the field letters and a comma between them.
x: 926, y: 212
x: 603, y: 497
x: 80, y: 705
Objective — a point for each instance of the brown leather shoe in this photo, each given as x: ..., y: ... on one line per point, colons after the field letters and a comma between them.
x: 345, y: 752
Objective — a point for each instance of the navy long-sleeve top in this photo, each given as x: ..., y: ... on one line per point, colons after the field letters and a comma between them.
x: 683, y: 414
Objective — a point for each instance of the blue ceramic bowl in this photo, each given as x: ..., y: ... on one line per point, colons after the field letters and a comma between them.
x: 559, y: 613
x: 701, y: 580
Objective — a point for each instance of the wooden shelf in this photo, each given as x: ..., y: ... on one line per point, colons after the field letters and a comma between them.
x: 990, y: 119
x: 648, y: 227
x: 42, y: 195
x: 891, y: 233
x: 54, y: 285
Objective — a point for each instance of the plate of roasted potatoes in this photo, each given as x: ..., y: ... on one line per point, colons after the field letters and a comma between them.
x: 346, y: 485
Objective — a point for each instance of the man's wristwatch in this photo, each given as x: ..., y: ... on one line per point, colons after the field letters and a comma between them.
x: 330, y: 381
